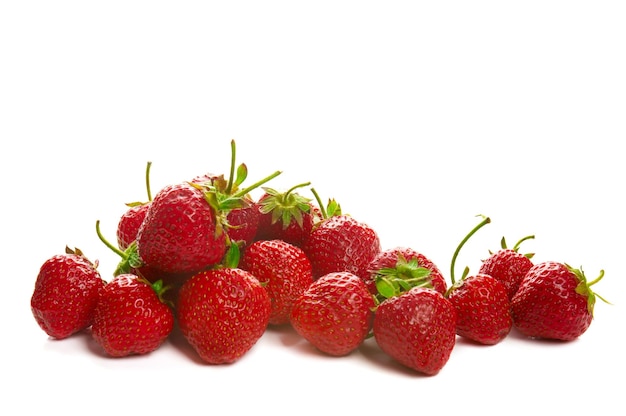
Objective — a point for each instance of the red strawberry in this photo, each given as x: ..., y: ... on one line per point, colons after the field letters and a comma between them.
x: 130, y: 317
x: 341, y: 243
x: 417, y: 328
x: 483, y: 309
x: 131, y: 220
x: 181, y: 232
x: 404, y: 263
x: 481, y: 302
x: 283, y: 269
x: 508, y: 266
x: 222, y: 313
x: 554, y: 301
x: 285, y: 216
x: 65, y: 295
x: 335, y: 313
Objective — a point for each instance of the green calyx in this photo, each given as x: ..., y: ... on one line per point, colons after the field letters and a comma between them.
x: 516, y: 247
x: 224, y: 195
x: 584, y: 288
x: 392, y: 281
x: 331, y: 209
x: 287, y: 206
x: 130, y: 256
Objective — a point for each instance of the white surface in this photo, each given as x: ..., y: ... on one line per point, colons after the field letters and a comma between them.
x: 415, y: 117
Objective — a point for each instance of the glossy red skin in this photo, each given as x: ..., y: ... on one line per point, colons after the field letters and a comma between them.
x: 284, y: 270
x: 335, y: 313
x: 341, y: 243
x: 483, y: 309
x: 547, y: 306
x: 507, y: 266
x: 244, y: 222
x: 389, y: 258
x: 417, y: 329
x: 179, y: 234
x: 65, y: 295
x: 128, y: 225
x: 222, y: 313
x: 293, y: 233
x: 130, y: 319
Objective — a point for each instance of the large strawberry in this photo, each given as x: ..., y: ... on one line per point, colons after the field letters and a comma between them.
x: 286, y: 216
x: 131, y: 317
x: 417, y: 328
x: 481, y: 302
x: 335, y: 313
x: 554, y: 301
x: 131, y: 219
x: 222, y: 313
x: 66, y: 293
x: 283, y: 269
x: 341, y: 243
x: 405, y: 264
x: 508, y: 265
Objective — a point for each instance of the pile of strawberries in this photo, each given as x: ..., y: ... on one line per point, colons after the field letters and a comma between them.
x: 207, y: 257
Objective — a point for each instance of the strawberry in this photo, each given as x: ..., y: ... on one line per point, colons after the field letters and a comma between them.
x: 481, y: 302
x: 131, y: 220
x: 404, y: 263
x: 283, y: 269
x: 66, y: 292
x: 508, y: 265
x: 222, y: 313
x: 130, y: 317
x: 335, y: 313
x: 181, y: 232
x: 554, y: 301
x: 417, y: 328
x: 341, y: 243
x: 285, y: 216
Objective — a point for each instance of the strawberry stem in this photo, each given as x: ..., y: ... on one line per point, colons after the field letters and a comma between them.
x: 149, y: 165
x: 486, y: 220
x: 229, y: 187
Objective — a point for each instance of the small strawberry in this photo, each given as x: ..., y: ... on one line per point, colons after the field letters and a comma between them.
x: 66, y: 292
x: 131, y: 220
x: 222, y: 313
x: 417, y: 328
x: 130, y: 317
x: 404, y: 263
x: 335, y: 313
x: 554, y: 301
x: 341, y: 243
x: 283, y: 269
x: 481, y: 302
x: 508, y: 265
x: 285, y: 216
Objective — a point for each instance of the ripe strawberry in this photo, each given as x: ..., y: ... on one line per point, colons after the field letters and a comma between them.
x: 131, y: 220
x: 481, y: 302
x: 181, y: 232
x: 508, y: 266
x: 483, y: 309
x: 285, y: 216
x: 341, y: 243
x: 554, y: 301
x: 404, y: 263
x: 283, y: 269
x: 417, y: 328
x: 335, y: 313
x: 222, y: 313
x: 130, y: 317
x: 66, y: 292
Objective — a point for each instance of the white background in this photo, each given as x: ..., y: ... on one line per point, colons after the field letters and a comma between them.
x: 415, y: 116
